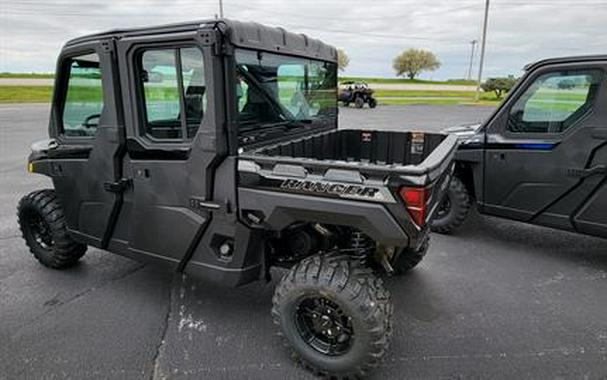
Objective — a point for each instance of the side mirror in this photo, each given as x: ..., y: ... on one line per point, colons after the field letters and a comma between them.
x: 145, y: 77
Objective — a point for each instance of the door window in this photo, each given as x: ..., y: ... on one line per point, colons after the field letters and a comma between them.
x: 174, y: 92
x: 84, y: 97
x: 554, y: 102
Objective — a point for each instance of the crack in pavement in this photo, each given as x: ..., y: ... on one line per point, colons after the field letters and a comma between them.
x: 59, y: 304
x: 156, y: 371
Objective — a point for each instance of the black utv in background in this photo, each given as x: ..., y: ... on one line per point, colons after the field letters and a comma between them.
x: 212, y: 148
x: 356, y: 93
x: 541, y: 158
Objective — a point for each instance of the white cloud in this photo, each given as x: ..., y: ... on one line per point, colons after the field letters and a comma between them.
x: 372, y: 32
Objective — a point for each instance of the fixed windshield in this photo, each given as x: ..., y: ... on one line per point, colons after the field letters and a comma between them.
x: 277, y: 90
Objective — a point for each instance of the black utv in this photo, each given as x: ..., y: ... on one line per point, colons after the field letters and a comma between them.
x: 356, y: 93
x: 541, y: 157
x: 213, y: 149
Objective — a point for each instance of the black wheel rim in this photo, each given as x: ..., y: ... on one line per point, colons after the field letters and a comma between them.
x: 324, y: 326
x: 40, y: 230
x: 444, y: 208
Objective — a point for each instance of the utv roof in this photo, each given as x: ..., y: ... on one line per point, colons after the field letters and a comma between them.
x: 242, y: 34
x: 571, y: 59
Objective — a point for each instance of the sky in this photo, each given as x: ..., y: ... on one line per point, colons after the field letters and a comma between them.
x: 372, y: 32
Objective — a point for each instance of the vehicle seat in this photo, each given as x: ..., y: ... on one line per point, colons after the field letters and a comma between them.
x: 194, y: 103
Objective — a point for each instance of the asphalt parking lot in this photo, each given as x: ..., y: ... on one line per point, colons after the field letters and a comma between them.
x: 498, y: 300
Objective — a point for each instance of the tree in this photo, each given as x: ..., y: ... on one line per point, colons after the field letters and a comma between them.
x: 499, y: 85
x: 566, y: 84
x: 412, y: 62
x: 342, y: 59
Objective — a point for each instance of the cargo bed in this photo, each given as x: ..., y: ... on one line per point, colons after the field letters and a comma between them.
x: 387, y: 152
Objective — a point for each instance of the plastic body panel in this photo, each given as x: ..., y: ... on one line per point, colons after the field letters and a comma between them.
x: 291, y: 182
x: 550, y: 179
x: 82, y: 165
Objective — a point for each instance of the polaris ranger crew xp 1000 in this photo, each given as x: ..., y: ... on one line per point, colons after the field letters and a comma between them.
x: 541, y: 158
x: 212, y: 148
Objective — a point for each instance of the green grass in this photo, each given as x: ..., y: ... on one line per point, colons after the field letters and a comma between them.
x: 433, y: 97
x: 341, y: 79
x: 406, y: 81
x: 42, y: 94
x: 25, y: 94
x: 28, y: 75
x: 422, y: 93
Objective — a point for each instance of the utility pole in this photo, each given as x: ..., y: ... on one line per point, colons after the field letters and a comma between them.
x: 473, y: 43
x: 483, y: 42
x: 220, y: 8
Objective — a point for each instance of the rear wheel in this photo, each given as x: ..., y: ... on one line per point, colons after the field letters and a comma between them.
x: 44, y: 230
x: 359, y: 102
x: 454, y: 208
x: 406, y: 259
x: 335, y: 314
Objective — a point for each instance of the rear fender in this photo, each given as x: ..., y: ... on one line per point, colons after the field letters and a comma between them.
x: 276, y: 211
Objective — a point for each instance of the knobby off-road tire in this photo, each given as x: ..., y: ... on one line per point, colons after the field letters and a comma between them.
x: 454, y: 209
x: 338, y: 294
x: 44, y: 230
x: 408, y: 258
x: 372, y: 103
x: 359, y: 102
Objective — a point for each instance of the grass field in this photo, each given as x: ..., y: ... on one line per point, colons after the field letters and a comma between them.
x: 28, y: 75
x: 25, y: 94
x: 341, y: 79
x: 433, y: 97
x: 42, y: 94
x: 407, y: 81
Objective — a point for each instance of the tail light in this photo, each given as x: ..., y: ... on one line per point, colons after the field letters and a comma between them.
x: 415, y: 199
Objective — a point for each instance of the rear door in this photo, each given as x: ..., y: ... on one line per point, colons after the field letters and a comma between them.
x: 542, y: 146
x: 86, y: 122
x: 172, y: 147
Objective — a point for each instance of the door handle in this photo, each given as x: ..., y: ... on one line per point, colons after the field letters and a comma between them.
x: 583, y: 173
x: 599, y: 133
x: 599, y: 169
x: 117, y: 187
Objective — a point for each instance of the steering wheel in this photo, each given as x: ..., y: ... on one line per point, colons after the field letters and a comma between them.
x: 87, y: 122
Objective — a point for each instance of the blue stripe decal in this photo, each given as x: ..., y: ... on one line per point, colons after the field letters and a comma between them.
x: 544, y: 146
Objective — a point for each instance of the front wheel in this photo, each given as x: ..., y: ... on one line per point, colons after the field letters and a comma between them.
x: 359, y: 102
x: 335, y: 314
x: 454, y: 208
x: 372, y: 102
x: 45, y: 232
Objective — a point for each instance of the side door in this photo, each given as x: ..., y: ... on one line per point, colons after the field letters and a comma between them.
x: 172, y: 143
x: 541, y: 144
x: 86, y: 122
x: 590, y: 216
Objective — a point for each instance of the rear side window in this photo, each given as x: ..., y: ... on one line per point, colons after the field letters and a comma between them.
x: 84, y: 97
x: 554, y: 101
x: 173, y: 92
